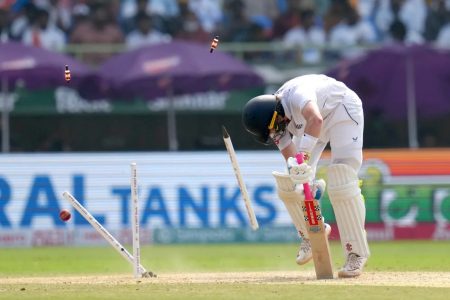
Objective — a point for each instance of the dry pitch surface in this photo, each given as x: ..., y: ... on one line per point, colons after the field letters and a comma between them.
x: 413, y: 279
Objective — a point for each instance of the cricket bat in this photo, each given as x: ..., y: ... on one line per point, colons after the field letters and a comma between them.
x: 316, y: 231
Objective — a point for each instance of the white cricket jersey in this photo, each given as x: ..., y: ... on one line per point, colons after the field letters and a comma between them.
x: 325, y: 91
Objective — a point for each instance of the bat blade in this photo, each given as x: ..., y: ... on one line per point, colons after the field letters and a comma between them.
x: 316, y: 232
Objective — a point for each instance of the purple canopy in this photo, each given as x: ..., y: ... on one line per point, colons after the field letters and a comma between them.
x: 178, y: 67
x: 389, y: 78
x: 38, y: 68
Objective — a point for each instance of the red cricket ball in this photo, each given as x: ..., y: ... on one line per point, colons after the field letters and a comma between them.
x: 64, y: 215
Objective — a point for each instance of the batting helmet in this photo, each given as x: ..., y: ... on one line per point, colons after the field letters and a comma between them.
x: 259, y: 114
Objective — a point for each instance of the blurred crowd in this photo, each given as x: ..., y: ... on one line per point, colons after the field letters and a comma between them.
x: 341, y: 24
x: 53, y: 24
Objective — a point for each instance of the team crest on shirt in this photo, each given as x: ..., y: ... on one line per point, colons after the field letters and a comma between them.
x: 298, y: 126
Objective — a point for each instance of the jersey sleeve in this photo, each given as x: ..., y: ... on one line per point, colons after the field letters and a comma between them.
x: 300, y: 98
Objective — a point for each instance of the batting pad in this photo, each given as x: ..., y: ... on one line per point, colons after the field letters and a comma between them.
x: 348, y: 205
x: 292, y: 201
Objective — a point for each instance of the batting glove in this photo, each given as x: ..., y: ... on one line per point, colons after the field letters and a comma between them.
x: 300, y: 173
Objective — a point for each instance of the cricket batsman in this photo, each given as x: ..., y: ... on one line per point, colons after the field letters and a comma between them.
x: 303, y: 116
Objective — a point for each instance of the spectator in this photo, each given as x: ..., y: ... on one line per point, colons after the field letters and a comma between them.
x: 300, y: 5
x: 334, y: 15
x: 411, y: 13
x: 288, y: 24
x: 4, y: 26
x: 42, y: 34
x: 128, y: 12
x: 98, y: 29
x: 263, y: 26
x: 257, y: 8
x: 262, y: 14
x: 165, y: 8
x: 80, y: 14
x: 192, y: 30
x: 443, y: 38
x: 289, y: 17
x: 25, y: 18
x: 365, y: 8
x: 129, y: 9
x: 209, y: 13
x: 113, y: 8
x: 165, y: 14
x: 351, y: 30
x: 307, y: 35
x: 145, y: 34
x: 59, y: 12
x: 282, y: 6
x: 306, y: 32
x: 236, y: 25
x: 171, y: 20
x: 436, y: 19
x: 284, y: 22
x: 397, y: 33
x: 322, y: 6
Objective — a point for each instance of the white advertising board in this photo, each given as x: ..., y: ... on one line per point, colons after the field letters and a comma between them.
x: 182, y: 189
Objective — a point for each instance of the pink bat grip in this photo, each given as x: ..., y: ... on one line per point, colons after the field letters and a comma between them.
x: 306, y: 188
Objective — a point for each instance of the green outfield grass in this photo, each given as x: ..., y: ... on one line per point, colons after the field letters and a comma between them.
x: 405, y: 256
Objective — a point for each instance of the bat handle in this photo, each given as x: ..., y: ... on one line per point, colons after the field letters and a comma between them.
x: 306, y: 187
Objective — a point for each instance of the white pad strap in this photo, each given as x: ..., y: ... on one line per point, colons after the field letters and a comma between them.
x: 349, y: 209
x: 292, y: 201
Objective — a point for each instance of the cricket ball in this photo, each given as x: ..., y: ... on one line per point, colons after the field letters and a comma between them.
x: 64, y: 215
